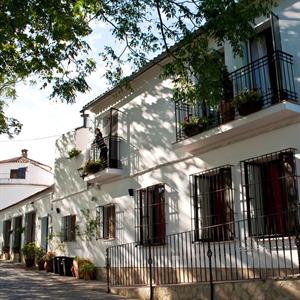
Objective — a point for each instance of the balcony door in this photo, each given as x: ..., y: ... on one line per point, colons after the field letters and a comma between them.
x: 264, y: 61
x: 114, y: 140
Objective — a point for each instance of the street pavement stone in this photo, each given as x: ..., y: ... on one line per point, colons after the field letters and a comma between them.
x: 17, y: 282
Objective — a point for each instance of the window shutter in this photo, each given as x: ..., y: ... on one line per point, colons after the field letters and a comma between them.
x: 72, y: 228
x: 63, y: 229
x: 100, y: 223
x: 111, y: 213
x: 275, y: 31
x: 6, y: 229
x: 105, y: 222
x: 32, y: 237
x: 27, y: 228
x: 44, y: 233
x: 289, y: 187
x: 22, y: 173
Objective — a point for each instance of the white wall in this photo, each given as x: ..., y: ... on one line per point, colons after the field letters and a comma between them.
x: 41, y: 204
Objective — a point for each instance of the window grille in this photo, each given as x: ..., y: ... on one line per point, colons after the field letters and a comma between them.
x: 106, y: 219
x: 212, y: 196
x: 150, y: 215
x: 270, y: 192
x: 68, y: 228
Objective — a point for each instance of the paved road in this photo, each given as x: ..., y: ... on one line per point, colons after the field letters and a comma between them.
x: 16, y: 282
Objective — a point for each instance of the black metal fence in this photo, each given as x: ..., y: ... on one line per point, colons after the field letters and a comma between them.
x: 272, y: 76
x: 186, y: 259
x: 109, y: 150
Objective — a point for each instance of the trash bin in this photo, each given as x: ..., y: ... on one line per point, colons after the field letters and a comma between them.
x: 67, y: 263
x: 58, y: 266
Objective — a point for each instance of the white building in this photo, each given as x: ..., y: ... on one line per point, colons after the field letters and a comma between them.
x: 26, y: 221
x: 21, y: 177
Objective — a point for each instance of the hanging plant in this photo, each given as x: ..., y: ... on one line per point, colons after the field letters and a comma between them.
x: 73, y: 153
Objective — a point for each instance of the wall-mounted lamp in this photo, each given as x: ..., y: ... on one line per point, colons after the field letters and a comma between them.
x: 58, y: 210
x: 131, y: 192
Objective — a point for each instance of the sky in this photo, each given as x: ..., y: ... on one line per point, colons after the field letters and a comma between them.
x: 45, y: 120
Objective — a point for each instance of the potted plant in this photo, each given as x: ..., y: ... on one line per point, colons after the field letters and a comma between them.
x: 77, y: 263
x: 227, y: 111
x: 87, y: 270
x: 248, y: 102
x: 29, y: 251
x: 39, y: 254
x: 48, y: 258
x: 73, y: 153
x: 193, y: 125
x: 93, y: 166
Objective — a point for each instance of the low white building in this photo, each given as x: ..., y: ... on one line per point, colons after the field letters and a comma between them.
x: 28, y: 220
x: 21, y: 177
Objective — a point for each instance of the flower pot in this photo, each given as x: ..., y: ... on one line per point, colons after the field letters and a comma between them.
x: 193, y: 129
x: 29, y: 262
x: 227, y: 111
x: 250, y: 107
x: 87, y: 275
x: 41, y: 264
x: 48, y: 265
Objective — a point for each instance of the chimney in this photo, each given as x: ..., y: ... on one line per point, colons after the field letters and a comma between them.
x: 24, y: 152
x: 85, y: 119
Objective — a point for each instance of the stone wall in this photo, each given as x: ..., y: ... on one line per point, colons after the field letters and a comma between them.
x: 245, y: 290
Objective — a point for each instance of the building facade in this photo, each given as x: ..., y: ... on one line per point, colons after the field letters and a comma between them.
x: 21, y: 177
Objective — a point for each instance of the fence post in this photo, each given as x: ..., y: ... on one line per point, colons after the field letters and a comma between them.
x: 150, y: 269
x: 209, y: 254
x: 107, y: 269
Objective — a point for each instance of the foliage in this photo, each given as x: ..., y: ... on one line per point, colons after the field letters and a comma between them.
x: 87, y: 267
x: 245, y: 97
x: 73, y: 153
x: 93, y: 166
x: 195, y: 121
x: 29, y: 250
x: 47, y: 40
x: 91, y: 224
x: 49, y: 256
x: 9, y: 126
x: 39, y: 253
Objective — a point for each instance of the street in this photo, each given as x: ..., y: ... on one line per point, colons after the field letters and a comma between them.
x: 16, y: 282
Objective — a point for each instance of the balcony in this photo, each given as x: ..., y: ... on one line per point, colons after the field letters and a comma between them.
x: 109, y: 158
x: 272, y: 78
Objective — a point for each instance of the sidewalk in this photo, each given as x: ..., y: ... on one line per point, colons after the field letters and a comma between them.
x: 17, y: 282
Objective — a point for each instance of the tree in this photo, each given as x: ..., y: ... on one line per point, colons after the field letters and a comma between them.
x: 46, y: 40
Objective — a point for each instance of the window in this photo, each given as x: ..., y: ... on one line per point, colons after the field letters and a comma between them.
x: 17, y: 237
x: 211, y: 193
x: 151, y: 227
x: 107, y: 222
x: 6, y: 235
x: 30, y: 227
x: 68, y: 228
x: 18, y: 173
x: 271, y: 194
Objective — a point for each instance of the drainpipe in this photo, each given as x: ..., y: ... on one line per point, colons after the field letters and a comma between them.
x: 107, y: 270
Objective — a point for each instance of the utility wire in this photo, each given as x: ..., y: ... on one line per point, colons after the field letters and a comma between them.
x: 31, y: 139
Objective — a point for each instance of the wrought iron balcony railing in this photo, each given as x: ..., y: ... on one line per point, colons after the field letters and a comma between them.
x: 108, y: 151
x: 270, y: 76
